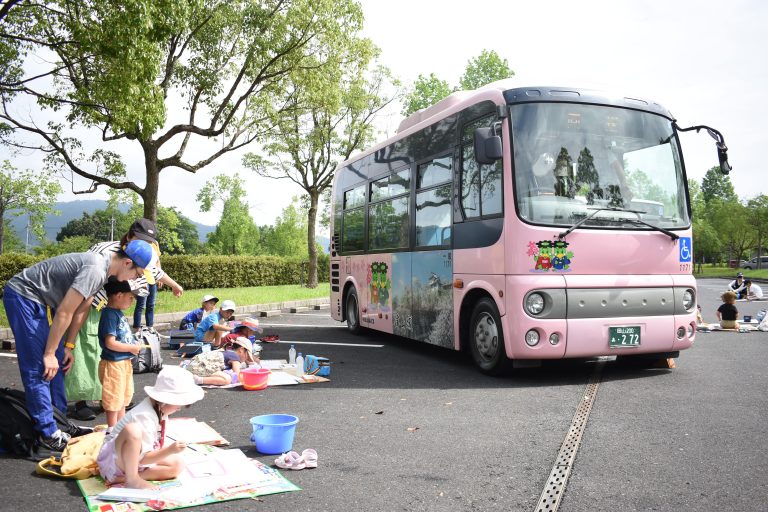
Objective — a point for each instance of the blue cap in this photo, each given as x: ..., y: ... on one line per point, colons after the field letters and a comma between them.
x: 140, y: 252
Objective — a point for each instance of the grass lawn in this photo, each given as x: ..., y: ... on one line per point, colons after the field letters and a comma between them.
x: 730, y: 273
x: 167, y: 303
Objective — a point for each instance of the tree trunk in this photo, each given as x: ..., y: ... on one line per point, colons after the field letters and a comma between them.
x: 153, y: 181
x: 2, y: 231
x: 311, y: 243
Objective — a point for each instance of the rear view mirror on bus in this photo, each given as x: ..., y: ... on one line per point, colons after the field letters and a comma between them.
x: 487, y: 146
x: 722, y: 155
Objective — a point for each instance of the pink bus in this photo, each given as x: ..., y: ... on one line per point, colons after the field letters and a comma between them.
x: 521, y: 224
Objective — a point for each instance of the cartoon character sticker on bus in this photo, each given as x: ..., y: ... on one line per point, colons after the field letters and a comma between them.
x: 379, y: 284
x: 550, y: 256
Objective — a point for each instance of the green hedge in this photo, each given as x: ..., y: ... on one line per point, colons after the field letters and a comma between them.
x: 193, y: 272
x: 13, y: 263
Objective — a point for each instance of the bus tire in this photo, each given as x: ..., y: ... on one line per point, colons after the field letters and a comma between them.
x: 486, y: 338
x: 352, y: 311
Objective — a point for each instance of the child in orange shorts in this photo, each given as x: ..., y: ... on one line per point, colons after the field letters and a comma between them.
x: 117, y: 350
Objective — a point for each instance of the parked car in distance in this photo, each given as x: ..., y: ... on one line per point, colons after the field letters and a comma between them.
x: 752, y: 264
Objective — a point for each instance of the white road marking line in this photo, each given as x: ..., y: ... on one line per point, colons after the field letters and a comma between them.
x: 326, y: 343
x: 340, y: 326
x: 7, y: 355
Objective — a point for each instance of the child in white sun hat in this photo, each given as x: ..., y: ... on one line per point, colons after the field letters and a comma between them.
x: 136, y: 450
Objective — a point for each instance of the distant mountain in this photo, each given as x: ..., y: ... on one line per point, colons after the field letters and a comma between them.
x: 74, y: 210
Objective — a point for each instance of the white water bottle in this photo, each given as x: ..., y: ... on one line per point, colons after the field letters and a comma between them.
x: 300, y: 365
x: 292, y: 355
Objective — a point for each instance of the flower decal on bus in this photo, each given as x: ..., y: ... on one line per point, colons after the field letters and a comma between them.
x: 550, y: 255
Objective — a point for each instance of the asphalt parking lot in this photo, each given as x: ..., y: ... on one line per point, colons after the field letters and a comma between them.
x: 405, y: 426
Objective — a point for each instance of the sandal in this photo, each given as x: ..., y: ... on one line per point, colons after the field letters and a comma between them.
x: 290, y: 460
x: 310, y: 457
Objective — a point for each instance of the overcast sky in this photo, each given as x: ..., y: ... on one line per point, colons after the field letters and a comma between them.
x: 703, y: 60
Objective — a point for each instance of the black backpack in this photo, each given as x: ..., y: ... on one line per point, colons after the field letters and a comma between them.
x: 17, y: 433
x: 149, y: 359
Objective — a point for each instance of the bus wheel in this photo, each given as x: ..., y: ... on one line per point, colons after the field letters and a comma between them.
x: 486, y: 338
x: 353, y: 312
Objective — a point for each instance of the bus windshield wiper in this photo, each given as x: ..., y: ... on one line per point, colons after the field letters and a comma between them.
x: 670, y: 234
x: 585, y: 219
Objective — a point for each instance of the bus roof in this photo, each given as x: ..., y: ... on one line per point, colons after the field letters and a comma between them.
x: 511, y: 95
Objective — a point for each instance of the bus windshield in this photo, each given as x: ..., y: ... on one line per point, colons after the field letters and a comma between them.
x: 571, y: 159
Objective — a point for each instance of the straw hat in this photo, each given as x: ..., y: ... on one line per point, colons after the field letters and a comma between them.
x: 246, y: 344
x: 175, y: 386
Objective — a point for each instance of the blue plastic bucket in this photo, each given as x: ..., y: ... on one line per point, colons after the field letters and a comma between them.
x: 273, y: 433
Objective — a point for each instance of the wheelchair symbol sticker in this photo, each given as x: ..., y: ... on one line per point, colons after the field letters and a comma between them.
x: 686, y: 252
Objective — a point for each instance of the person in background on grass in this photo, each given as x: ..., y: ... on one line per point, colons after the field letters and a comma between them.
x: 754, y: 291
x: 222, y: 367
x: 136, y: 449
x: 727, y: 313
x: 738, y: 286
x: 82, y: 381
x: 215, y: 325
x: 117, y: 350
x: 195, y: 316
x: 145, y: 229
x: 48, y: 302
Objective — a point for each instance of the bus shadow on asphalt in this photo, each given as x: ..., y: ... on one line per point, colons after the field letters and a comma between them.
x: 406, y: 364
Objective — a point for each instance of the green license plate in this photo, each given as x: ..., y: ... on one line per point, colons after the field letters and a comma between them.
x: 620, y: 337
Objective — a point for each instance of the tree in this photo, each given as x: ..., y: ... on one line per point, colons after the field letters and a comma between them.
x: 118, y: 71
x: 96, y: 226
x: 187, y: 232
x: 236, y: 233
x: 288, y: 236
x: 733, y: 226
x: 11, y: 240
x: 758, y: 214
x: 71, y: 244
x: 426, y: 91
x: 485, y: 68
x: 26, y: 193
x: 329, y: 120
x: 481, y: 70
x: 716, y: 185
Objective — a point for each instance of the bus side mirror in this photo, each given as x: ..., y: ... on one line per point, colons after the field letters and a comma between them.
x: 487, y: 146
x: 722, y: 155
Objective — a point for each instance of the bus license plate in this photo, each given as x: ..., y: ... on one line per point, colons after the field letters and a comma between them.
x: 620, y: 337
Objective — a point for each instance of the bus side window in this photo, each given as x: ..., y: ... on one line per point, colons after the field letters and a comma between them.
x: 470, y: 183
x: 481, y: 186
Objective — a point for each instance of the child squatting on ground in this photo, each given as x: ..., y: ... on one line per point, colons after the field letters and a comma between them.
x: 196, y: 316
x: 117, y: 350
x: 727, y: 312
x: 136, y: 450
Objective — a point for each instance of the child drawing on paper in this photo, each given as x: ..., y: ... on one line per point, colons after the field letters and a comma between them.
x: 135, y: 450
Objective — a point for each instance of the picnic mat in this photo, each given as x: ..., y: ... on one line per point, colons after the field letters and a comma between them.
x: 211, y: 475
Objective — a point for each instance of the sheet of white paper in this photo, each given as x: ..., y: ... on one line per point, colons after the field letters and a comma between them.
x: 277, y: 378
x: 272, y: 364
x: 126, y: 494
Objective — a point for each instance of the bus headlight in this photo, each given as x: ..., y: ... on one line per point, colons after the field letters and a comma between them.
x: 554, y: 338
x: 532, y: 338
x: 534, y: 304
x: 689, y: 299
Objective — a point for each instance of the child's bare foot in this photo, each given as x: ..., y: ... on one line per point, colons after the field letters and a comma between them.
x: 139, y: 483
x: 118, y: 480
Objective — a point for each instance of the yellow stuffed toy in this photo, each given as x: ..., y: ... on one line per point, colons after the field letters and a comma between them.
x: 78, y: 460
